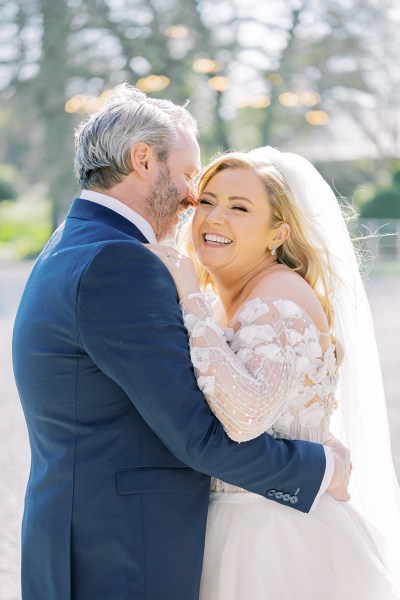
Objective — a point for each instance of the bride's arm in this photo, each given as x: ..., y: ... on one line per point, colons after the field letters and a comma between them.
x: 246, y: 389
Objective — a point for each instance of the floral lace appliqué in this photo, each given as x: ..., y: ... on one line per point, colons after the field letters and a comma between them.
x: 272, y: 374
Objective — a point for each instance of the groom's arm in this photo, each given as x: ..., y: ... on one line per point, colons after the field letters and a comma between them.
x: 131, y: 326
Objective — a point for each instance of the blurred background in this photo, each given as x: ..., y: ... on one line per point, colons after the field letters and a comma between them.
x: 317, y: 77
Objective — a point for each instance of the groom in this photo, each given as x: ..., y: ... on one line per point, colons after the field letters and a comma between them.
x: 123, y: 443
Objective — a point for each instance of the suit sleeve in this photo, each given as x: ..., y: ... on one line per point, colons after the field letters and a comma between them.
x: 131, y: 325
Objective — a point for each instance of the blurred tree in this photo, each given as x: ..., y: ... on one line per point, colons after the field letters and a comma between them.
x: 48, y: 94
x: 69, y: 52
x: 162, y: 43
x: 37, y: 91
x: 7, y: 190
x: 376, y: 110
x: 11, y: 182
x: 292, y: 65
x: 386, y: 203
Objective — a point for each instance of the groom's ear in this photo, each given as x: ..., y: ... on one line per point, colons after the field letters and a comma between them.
x: 142, y: 158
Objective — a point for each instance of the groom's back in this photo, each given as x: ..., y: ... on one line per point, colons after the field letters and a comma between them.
x: 81, y: 513
x: 67, y: 401
x: 58, y: 383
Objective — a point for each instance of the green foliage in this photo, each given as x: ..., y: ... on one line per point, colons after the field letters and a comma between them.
x: 396, y: 178
x: 7, y: 191
x: 25, y: 224
x: 24, y: 239
x: 8, y: 182
x: 386, y: 203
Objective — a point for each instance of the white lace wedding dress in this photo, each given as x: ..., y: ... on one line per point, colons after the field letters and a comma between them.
x: 276, y: 372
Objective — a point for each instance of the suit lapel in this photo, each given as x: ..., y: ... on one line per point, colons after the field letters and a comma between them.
x: 91, y: 211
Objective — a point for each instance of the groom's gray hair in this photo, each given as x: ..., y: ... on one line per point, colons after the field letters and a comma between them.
x: 103, y: 143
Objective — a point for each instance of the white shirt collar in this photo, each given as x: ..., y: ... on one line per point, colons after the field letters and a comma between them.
x: 123, y: 210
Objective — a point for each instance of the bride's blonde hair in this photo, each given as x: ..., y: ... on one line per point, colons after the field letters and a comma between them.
x: 303, y: 251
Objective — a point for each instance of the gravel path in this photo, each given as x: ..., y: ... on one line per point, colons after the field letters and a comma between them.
x: 384, y: 295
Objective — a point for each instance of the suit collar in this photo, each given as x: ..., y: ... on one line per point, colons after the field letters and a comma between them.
x: 91, y: 211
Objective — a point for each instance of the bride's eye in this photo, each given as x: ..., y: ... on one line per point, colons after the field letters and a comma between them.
x: 204, y: 201
x: 242, y: 208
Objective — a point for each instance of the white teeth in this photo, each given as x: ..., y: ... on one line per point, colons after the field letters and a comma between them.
x: 210, y: 237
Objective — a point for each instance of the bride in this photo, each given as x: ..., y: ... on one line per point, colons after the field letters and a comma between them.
x: 289, y: 349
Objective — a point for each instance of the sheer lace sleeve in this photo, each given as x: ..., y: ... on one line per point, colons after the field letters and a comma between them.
x: 246, y: 382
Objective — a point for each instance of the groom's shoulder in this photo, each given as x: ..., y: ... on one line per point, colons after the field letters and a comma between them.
x: 120, y: 268
x: 93, y: 245
x: 117, y: 257
x: 122, y: 252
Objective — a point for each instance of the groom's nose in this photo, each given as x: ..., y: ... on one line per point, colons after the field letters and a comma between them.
x: 191, y: 198
x: 189, y: 201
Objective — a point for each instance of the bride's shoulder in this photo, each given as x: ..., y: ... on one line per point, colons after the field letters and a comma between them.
x: 286, y: 284
x: 283, y: 283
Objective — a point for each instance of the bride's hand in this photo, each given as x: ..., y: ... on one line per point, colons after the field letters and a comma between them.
x: 181, y: 268
x: 339, y: 484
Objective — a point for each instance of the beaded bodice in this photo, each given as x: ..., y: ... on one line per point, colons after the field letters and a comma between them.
x: 276, y: 372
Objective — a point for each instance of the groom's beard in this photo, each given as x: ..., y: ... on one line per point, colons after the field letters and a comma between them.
x: 162, y: 204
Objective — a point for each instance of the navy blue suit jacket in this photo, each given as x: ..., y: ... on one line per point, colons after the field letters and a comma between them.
x: 122, y: 441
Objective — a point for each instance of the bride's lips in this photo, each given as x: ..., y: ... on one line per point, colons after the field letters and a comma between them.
x: 215, y: 240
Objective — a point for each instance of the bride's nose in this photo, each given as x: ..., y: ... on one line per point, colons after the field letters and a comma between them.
x: 216, y: 215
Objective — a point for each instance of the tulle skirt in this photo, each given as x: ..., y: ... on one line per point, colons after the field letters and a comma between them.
x: 257, y: 549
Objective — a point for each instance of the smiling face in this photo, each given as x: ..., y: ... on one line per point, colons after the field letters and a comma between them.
x: 232, y: 225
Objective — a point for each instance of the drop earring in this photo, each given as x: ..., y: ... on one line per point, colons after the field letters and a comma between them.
x: 273, y: 250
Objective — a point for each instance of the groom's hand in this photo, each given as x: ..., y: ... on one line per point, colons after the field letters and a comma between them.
x: 338, y: 486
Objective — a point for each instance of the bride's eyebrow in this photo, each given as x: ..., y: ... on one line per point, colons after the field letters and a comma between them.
x: 232, y: 198
x: 240, y: 198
